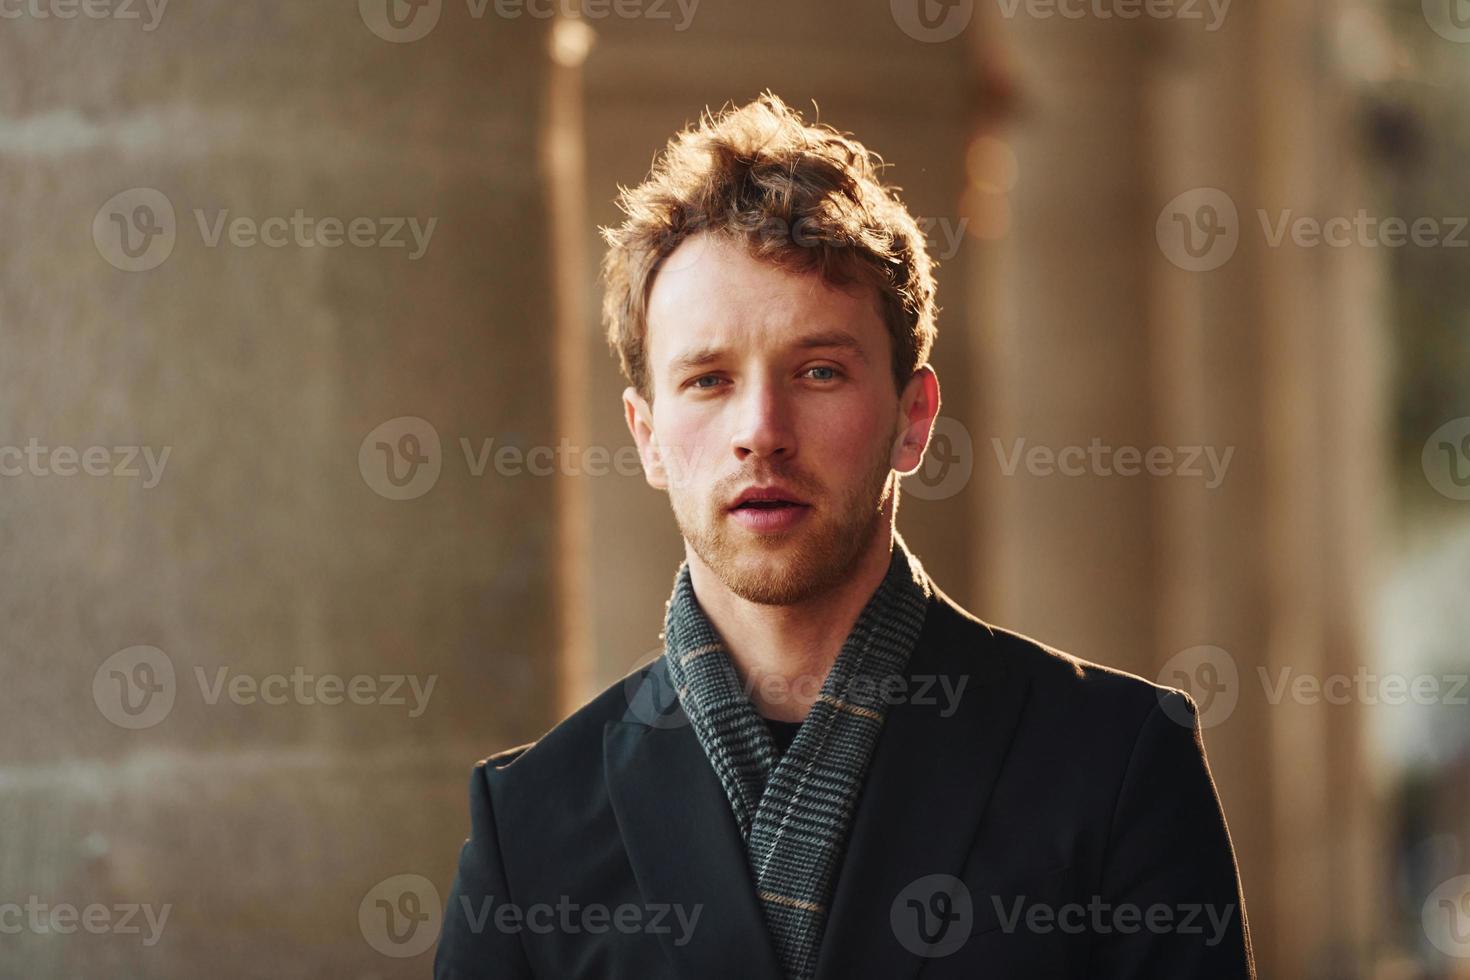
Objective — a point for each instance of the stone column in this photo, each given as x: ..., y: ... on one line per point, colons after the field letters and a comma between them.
x: 272, y: 559
x: 1105, y: 325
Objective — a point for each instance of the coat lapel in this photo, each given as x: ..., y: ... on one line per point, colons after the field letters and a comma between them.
x: 681, y: 838
x: 926, y: 790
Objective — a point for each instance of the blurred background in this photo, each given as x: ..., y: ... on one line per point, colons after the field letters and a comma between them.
x: 315, y: 488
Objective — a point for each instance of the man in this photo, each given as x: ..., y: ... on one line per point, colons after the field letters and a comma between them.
x: 833, y: 771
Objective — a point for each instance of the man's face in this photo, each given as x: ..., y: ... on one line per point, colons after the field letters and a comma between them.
x: 765, y: 378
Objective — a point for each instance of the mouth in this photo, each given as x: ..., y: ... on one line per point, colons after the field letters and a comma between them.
x: 768, y: 510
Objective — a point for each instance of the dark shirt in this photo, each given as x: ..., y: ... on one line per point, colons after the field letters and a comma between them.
x: 784, y: 732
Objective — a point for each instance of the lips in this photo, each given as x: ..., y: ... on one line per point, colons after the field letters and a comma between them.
x: 766, y: 498
x: 768, y: 510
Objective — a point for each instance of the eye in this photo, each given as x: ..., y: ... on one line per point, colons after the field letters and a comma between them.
x: 695, y: 383
x: 833, y: 373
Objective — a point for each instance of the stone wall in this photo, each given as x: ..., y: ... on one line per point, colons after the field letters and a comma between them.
x: 260, y: 359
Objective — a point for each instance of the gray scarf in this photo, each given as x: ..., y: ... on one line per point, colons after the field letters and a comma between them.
x: 794, y: 815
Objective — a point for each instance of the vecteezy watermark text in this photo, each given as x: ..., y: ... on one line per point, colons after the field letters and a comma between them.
x: 1364, y: 686
x: 1362, y: 229
x: 652, y: 699
x: 306, y: 231
x: 1097, y: 459
x: 1212, y: 12
x: 136, y: 688
x: 116, y: 461
x: 565, y: 459
x: 405, y: 21
x: 63, y: 918
x: 302, y: 688
x: 1211, y: 677
x: 1099, y: 917
x: 1200, y: 229
x: 136, y: 230
x: 402, y: 459
x: 88, y: 9
x: 570, y: 918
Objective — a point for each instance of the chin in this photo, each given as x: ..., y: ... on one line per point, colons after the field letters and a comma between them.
x: 763, y: 590
x: 778, y: 572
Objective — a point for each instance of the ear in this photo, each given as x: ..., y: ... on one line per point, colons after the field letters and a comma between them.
x: 640, y: 423
x: 918, y: 406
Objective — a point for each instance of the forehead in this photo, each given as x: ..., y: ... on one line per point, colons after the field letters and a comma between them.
x: 712, y: 293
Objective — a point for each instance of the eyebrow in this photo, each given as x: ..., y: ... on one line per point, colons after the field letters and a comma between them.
x: 825, y: 340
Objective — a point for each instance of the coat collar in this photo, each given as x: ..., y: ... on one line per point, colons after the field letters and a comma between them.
x: 928, y: 771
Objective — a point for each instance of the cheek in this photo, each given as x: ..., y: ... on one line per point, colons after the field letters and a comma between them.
x: 849, y: 439
x: 688, y: 443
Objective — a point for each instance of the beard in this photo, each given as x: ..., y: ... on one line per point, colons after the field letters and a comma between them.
x: 788, y: 567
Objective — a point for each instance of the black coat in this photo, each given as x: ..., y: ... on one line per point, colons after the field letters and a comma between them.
x: 1059, y: 822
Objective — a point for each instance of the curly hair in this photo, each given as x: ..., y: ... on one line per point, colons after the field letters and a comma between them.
x: 803, y: 197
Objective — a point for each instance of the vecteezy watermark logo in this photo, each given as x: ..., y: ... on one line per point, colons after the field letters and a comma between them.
x: 651, y: 696
x: 1364, y: 686
x: 948, y: 464
x: 564, y: 459
x: 1101, y: 918
x: 302, y: 688
x: 591, y: 9
x: 90, y: 9
x: 63, y: 918
x: 135, y: 688
x: 1446, y: 459
x: 571, y: 918
x: 1212, y: 12
x: 679, y: 249
x: 400, y: 21
x: 308, y: 231
x: 932, y: 21
x: 1450, y: 19
x: 1209, y: 676
x: 46, y: 461
x: 1198, y: 230
x: 401, y: 458
x: 1098, y: 459
x: 400, y: 916
x: 932, y: 916
x: 653, y: 700
x: 135, y: 229
x: 1362, y: 229
x: 1446, y: 917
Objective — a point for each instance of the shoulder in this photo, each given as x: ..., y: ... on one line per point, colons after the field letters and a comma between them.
x: 573, y: 747
x: 1062, y: 688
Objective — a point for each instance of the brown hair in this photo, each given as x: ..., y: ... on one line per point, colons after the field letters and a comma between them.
x: 802, y: 197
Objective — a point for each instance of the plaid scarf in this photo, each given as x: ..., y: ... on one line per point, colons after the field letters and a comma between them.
x: 794, y: 814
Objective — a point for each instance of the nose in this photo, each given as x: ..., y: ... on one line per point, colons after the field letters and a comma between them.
x: 764, y: 426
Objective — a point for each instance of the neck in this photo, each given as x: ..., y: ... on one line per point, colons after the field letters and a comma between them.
x: 783, y: 653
